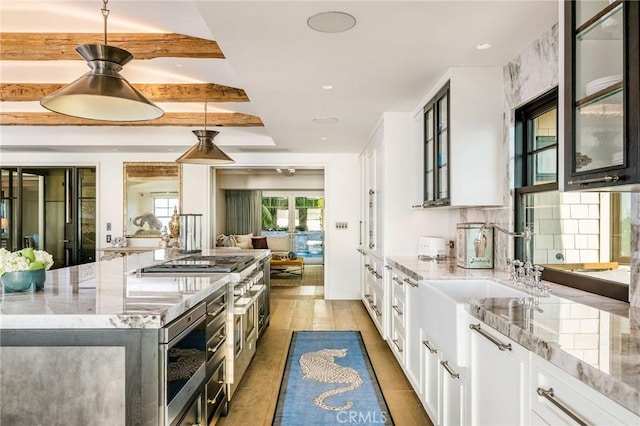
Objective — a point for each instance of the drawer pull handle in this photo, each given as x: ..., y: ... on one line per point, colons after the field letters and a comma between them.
x: 397, y: 281
x: 549, y: 395
x: 387, y: 267
x: 215, y: 349
x: 375, y: 309
x: 498, y: 343
x: 452, y: 373
x: 219, y: 311
x: 605, y: 179
x: 395, y: 308
x: 215, y: 398
x: 431, y: 348
x: 411, y: 283
x: 395, y: 342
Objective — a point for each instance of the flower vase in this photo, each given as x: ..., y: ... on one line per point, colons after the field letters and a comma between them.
x: 19, y: 281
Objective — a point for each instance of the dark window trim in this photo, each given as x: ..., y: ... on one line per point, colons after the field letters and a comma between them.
x: 611, y: 289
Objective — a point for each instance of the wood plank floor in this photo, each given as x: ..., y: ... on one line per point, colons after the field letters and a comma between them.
x: 303, y: 308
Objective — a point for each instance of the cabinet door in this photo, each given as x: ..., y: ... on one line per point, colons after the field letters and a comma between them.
x: 430, y: 390
x: 414, y: 338
x: 499, y: 379
x: 436, y: 150
x: 371, y: 198
x: 601, y: 93
x: 560, y: 399
x: 453, y: 389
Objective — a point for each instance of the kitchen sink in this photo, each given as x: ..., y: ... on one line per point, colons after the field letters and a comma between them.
x: 445, y: 319
x: 459, y: 290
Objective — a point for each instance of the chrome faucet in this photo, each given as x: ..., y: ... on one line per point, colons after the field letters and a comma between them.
x: 526, y: 234
x: 522, y: 272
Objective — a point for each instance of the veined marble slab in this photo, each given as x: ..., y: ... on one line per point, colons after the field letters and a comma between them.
x: 109, y: 294
x: 593, y: 338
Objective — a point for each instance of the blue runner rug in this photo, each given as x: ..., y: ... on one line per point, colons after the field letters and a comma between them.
x: 328, y: 380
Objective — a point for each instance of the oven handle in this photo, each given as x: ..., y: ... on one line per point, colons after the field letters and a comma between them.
x: 186, y: 331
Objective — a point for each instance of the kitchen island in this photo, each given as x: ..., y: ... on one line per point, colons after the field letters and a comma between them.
x: 87, y: 349
x: 592, y: 341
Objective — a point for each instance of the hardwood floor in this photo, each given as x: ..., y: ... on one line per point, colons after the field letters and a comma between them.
x: 303, y: 308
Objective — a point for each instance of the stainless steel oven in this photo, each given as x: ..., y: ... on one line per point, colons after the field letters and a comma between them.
x: 183, y: 355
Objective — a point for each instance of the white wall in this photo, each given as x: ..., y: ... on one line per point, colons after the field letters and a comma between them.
x: 341, y: 198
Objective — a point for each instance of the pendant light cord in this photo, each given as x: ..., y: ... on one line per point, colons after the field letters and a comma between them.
x: 205, y: 116
x: 105, y: 14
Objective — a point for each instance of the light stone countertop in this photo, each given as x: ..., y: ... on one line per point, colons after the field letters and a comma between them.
x: 109, y: 294
x: 592, y: 338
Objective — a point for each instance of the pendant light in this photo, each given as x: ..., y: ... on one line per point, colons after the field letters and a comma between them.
x: 102, y: 93
x: 205, y: 151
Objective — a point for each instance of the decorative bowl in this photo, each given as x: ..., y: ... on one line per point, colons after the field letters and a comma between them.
x: 18, y: 281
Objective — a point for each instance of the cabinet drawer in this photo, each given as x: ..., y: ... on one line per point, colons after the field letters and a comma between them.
x: 217, y: 304
x: 555, y: 394
x: 216, y: 394
x: 397, y: 284
x: 398, y: 312
x: 193, y: 414
x: 397, y: 343
x: 216, y: 343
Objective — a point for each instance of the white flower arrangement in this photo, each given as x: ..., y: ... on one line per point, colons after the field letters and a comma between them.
x: 26, y: 259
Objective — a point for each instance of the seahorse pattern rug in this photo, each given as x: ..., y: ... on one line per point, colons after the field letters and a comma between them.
x: 328, y: 380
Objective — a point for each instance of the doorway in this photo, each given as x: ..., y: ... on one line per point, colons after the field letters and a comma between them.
x: 299, y: 217
x: 51, y: 209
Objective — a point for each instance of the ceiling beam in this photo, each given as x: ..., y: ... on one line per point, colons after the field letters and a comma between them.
x: 207, y: 92
x: 188, y: 119
x: 62, y: 46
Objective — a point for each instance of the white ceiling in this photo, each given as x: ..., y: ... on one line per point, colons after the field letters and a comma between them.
x: 387, y: 62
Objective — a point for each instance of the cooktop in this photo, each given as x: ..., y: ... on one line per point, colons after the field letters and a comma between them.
x: 201, y: 264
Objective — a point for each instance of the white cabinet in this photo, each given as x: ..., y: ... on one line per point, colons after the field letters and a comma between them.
x: 499, y: 378
x: 444, y: 385
x: 462, y: 139
x: 560, y: 399
x: 373, y: 291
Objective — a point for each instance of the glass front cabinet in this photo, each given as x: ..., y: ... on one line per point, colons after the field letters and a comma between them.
x: 601, y: 99
x: 436, y: 150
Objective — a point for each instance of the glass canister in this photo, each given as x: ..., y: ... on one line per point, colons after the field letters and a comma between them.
x: 190, y: 233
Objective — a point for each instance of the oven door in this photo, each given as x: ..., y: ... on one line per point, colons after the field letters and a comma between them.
x: 183, y: 361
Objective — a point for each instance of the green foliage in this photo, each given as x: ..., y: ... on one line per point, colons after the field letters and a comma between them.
x: 267, y: 218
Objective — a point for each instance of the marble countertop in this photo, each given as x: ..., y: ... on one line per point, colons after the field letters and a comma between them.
x: 592, y: 338
x: 109, y: 294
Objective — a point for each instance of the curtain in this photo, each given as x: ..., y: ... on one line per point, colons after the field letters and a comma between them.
x: 244, y: 212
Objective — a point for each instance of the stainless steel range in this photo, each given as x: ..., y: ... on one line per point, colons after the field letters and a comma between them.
x: 200, y: 264
x: 245, y: 320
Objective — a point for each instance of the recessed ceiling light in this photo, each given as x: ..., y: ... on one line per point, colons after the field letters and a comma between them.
x: 324, y: 138
x: 331, y: 22
x: 325, y: 120
x: 483, y: 46
x: 327, y: 87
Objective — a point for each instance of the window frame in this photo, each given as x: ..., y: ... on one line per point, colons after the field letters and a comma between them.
x: 523, y: 187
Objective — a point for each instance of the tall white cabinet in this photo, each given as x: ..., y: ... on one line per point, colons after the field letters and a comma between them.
x: 388, y: 224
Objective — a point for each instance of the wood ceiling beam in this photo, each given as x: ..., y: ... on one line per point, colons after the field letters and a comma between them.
x: 207, y: 92
x: 188, y: 119
x: 62, y: 46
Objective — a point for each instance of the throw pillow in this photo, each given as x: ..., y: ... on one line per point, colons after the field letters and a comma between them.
x: 259, y: 242
x: 244, y: 241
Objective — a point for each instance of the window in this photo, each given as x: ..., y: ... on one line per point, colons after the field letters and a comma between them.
x: 581, y: 238
x: 163, y: 209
